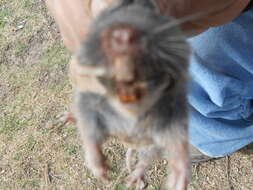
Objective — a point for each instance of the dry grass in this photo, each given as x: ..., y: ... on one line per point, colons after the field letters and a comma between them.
x: 36, y: 151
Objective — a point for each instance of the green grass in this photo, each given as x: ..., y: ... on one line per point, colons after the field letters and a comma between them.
x: 71, y: 149
x: 5, y: 13
x: 17, y: 156
x: 21, y: 47
x: 122, y: 187
x: 10, y: 124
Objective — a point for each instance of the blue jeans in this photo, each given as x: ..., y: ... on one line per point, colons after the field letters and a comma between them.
x: 221, y: 88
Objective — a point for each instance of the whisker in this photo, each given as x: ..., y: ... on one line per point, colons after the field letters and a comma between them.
x: 178, y: 22
x: 174, y: 37
x: 176, y: 46
x: 171, y: 38
x: 169, y: 44
x: 177, y: 52
x: 167, y: 56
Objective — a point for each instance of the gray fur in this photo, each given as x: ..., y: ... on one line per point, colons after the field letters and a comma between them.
x: 161, y: 119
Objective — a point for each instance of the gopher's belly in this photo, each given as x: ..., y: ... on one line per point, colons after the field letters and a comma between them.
x: 134, y: 139
x: 125, y: 127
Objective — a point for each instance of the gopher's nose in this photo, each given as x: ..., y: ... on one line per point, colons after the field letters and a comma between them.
x: 123, y: 39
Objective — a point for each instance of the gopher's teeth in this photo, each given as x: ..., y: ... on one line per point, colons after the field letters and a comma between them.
x: 128, y: 98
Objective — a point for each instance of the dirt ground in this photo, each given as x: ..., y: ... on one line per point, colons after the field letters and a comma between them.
x: 37, y: 151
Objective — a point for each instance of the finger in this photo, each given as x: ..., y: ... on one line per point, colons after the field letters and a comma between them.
x: 72, y: 18
x: 219, y: 12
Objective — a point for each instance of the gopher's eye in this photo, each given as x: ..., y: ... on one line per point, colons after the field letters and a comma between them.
x: 170, y: 83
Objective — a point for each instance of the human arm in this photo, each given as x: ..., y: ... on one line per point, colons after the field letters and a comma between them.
x: 73, y: 16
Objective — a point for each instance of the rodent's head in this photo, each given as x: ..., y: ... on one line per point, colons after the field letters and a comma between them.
x: 135, y: 52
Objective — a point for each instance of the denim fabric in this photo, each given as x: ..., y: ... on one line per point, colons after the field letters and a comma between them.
x: 221, y: 89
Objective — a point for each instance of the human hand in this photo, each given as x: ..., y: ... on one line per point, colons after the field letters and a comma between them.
x: 219, y: 12
x: 73, y: 16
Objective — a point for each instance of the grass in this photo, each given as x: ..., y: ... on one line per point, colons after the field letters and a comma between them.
x: 36, y: 151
